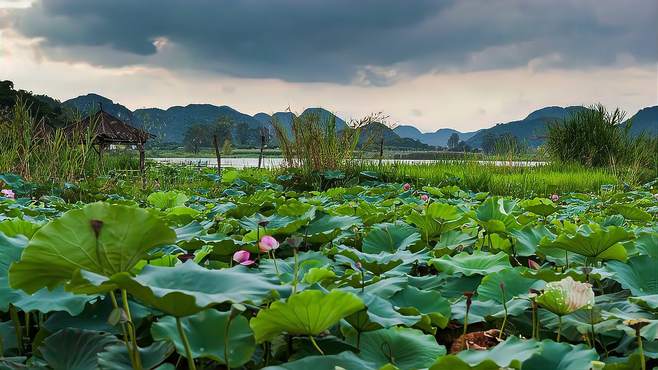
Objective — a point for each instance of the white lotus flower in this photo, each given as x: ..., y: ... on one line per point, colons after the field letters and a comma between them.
x: 566, y: 296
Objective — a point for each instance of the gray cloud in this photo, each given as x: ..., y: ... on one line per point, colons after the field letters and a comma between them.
x: 368, y: 42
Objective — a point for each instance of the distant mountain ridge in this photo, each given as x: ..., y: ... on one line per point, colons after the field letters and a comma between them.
x: 171, y: 123
x: 437, y: 138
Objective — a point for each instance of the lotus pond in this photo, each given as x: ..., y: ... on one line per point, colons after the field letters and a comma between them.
x: 256, y: 275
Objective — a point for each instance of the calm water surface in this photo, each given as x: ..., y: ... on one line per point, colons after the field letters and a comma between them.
x: 277, y: 162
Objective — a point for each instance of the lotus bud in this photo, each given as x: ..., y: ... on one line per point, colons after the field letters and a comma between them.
x: 406, y: 187
x: 424, y: 197
x: 242, y: 257
x: 267, y: 243
x: 566, y: 296
x: 555, y: 198
x: 533, y: 265
x: 8, y: 193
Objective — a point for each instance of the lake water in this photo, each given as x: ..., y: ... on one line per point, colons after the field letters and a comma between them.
x: 277, y: 162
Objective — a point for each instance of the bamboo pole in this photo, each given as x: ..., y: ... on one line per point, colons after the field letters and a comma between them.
x: 218, y: 155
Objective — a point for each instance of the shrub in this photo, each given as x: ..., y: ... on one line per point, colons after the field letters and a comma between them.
x: 600, y: 138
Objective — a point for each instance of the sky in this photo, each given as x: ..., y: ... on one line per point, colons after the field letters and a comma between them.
x: 463, y: 64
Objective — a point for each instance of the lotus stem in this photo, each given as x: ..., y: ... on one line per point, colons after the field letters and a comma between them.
x: 566, y: 260
x: 502, y: 327
x: 559, y: 328
x: 535, y: 326
x: 226, y: 343
x: 315, y: 344
x: 186, y: 344
x: 115, y: 304
x: 276, y: 268
x: 131, y: 329
x: 17, y: 328
x: 640, y: 347
x: 591, y: 322
x: 295, y: 271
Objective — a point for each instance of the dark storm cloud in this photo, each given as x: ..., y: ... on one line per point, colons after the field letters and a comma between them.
x: 365, y: 41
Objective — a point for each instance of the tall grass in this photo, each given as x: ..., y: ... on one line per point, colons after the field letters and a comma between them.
x: 45, y: 155
x: 521, y: 181
x: 598, y: 137
x: 313, y: 144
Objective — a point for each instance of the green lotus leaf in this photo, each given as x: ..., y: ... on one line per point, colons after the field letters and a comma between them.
x: 317, y: 274
x: 436, y: 219
x: 344, y: 360
x: 509, y: 354
x: 390, y: 238
x: 324, y: 227
x: 380, y: 314
x: 454, y: 239
x: 69, y: 244
x: 647, y: 243
x: 405, y: 348
x: 413, y: 301
x: 7, y: 336
x: 188, y: 288
x: 167, y: 199
x: 43, y: 300
x: 639, y: 274
x: 561, y: 356
x: 630, y: 212
x: 648, y: 301
x: 482, y: 311
x: 307, y: 313
x: 495, y: 214
x: 210, y: 336
x: 478, y: 263
x: 17, y: 226
x: 276, y: 224
x: 515, y: 285
x: 94, y: 317
x: 594, y: 241
x: 540, y: 206
x: 116, y: 356
x: 74, y: 349
x: 529, y: 238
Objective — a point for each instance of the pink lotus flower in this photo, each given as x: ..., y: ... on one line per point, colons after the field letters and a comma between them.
x: 8, y: 193
x: 424, y: 197
x: 555, y: 198
x: 406, y: 187
x: 242, y: 257
x: 533, y: 265
x: 267, y: 243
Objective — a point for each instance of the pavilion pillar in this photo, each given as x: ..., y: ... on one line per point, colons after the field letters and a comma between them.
x: 218, y: 155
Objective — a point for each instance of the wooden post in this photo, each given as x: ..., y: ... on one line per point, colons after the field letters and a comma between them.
x: 262, y: 146
x: 218, y: 155
x: 381, y: 150
x: 141, y: 164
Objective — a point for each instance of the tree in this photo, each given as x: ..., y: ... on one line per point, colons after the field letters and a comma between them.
x: 453, y: 141
x: 195, y: 137
x: 227, y: 148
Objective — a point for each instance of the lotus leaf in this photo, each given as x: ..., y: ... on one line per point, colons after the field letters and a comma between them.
x: 69, y: 244
x: 639, y: 274
x: 479, y: 263
x: 74, y: 349
x: 189, y: 288
x: 390, y: 238
x: 307, y: 313
x: 167, y: 199
x: 593, y: 241
x: 405, y: 348
x: 511, y: 354
x: 211, y: 335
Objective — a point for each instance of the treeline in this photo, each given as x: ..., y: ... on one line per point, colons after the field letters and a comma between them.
x: 200, y: 136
